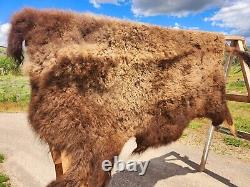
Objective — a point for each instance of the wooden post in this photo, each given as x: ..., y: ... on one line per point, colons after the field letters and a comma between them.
x: 245, y: 69
x: 206, y: 148
x: 229, y: 61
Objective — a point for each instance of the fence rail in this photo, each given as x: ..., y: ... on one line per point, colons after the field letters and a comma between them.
x: 240, y: 134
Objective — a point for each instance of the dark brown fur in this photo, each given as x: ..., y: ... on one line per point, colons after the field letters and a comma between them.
x: 96, y: 82
x: 245, y: 56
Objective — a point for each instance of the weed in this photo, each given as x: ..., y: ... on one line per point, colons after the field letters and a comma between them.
x: 3, y: 180
x: 1, y: 158
x: 236, y: 142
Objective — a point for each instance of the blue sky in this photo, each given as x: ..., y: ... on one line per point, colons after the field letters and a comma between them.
x: 227, y: 16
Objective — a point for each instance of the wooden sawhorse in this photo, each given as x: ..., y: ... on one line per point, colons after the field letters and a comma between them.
x: 240, y: 43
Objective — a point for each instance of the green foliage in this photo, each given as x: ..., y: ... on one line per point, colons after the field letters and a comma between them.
x: 241, y: 117
x: 3, y: 180
x: 1, y: 158
x: 8, y: 66
x: 14, y: 89
x: 236, y: 142
x: 195, y: 124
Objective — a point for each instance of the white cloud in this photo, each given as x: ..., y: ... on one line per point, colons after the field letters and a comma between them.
x: 97, y: 3
x: 4, y: 30
x: 234, y: 16
x: 177, y: 8
x: 178, y: 26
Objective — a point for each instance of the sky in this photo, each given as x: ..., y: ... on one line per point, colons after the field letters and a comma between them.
x: 230, y: 17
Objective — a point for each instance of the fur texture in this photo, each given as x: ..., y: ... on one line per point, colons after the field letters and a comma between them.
x: 244, y: 55
x: 98, y: 81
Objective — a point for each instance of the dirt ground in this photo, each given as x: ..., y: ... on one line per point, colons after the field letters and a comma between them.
x: 28, y: 162
x: 218, y: 145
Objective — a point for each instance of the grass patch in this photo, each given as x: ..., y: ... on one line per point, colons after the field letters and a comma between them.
x: 14, y: 93
x: 14, y: 89
x: 1, y: 158
x: 8, y: 65
x: 235, y: 81
x: 4, y: 179
x: 195, y: 124
x: 236, y: 142
x: 236, y: 86
x: 242, y: 124
x: 240, y: 113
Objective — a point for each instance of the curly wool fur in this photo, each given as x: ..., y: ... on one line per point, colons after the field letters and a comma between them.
x: 98, y: 81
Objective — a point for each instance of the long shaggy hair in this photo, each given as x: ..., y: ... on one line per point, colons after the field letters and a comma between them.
x: 98, y: 81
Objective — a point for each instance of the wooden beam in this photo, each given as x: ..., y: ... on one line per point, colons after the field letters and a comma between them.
x: 66, y: 161
x: 228, y: 65
x: 245, y: 69
x: 229, y: 60
x: 230, y: 38
x: 59, y: 170
x: 56, y: 156
x: 238, y: 98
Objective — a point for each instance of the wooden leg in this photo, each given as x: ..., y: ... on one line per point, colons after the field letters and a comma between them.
x: 56, y: 156
x: 206, y: 148
x: 59, y: 170
x: 66, y: 161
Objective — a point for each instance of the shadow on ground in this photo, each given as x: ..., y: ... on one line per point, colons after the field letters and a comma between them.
x: 161, y: 168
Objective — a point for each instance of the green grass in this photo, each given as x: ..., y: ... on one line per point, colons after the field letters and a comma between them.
x: 237, y: 86
x: 242, y: 124
x: 241, y: 115
x: 1, y: 158
x: 4, y: 179
x: 7, y: 66
x: 236, y: 142
x: 196, y: 124
x: 14, y: 92
x: 235, y: 83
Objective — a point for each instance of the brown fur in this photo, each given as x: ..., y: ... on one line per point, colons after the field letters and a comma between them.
x: 244, y: 55
x: 97, y: 81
